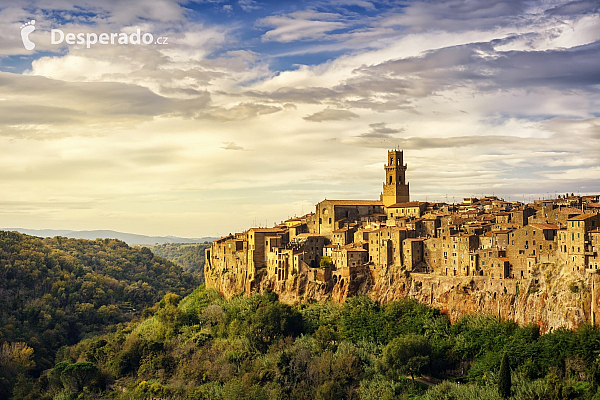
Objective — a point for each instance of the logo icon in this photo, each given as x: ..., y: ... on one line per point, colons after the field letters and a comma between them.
x: 26, y: 29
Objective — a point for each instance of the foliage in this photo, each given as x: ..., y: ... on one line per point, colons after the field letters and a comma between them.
x: 325, y: 262
x: 504, y: 383
x: 407, y: 354
x: 189, y: 256
x: 55, y: 292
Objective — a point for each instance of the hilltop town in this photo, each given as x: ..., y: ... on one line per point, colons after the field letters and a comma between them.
x: 533, y: 262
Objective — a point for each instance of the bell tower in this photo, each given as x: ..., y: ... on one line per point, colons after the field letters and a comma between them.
x: 395, y: 188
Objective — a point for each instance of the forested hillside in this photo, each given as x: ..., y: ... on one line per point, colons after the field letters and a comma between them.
x: 57, y: 291
x: 189, y: 256
x: 251, y: 348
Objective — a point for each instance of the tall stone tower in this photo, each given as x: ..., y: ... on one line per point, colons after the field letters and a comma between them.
x: 395, y: 188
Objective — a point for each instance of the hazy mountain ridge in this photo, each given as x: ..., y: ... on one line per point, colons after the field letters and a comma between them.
x: 131, y: 239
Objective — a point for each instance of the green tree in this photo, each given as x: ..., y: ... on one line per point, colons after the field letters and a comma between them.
x: 15, y: 360
x: 326, y: 338
x: 407, y: 354
x: 76, y: 377
x: 326, y: 261
x: 272, y: 321
x: 504, y: 383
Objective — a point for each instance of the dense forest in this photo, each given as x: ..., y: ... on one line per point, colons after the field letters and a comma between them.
x: 58, y: 291
x: 189, y: 256
x: 254, y: 347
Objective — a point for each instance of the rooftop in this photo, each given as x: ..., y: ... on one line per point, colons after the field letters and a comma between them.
x: 405, y: 205
x: 545, y: 226
x: 354, y: 202
x: 582, y: 217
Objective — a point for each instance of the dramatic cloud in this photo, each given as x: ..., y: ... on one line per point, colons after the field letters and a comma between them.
x: 330, y: 115
x: 457, y: 15
x: 239, y: 112
x: 484, y: 97
x: 300, y: 25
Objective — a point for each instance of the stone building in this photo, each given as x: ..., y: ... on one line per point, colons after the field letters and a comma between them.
x: 574, y: 240
x: 395, y: 187
x: 335, y: 214
x: 531, y: 245
x: 488, y: 239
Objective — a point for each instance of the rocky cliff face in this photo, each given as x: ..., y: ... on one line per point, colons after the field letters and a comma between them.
x: 554, y: 297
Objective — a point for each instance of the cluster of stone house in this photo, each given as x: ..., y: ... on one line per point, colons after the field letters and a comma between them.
x: 480, y: 237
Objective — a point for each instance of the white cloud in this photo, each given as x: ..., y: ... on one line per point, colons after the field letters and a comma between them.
x: 330, y: 115
x: 494, y: 98
x: 300, y: 25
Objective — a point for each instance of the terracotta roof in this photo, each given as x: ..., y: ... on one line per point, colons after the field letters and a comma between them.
x: 230, y: 236
x: 309, y: 235
x: 265, y: 230
x: 545, y: 226
x: 354, y: 248
x: 405, y: 205
x: 344, y: 229
x: 593, y: 205
x: 509, y: 225
x: 571, y: 210
x: 581, y: 217
x: 354, y: 202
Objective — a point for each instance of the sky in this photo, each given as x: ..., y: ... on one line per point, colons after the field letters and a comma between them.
x: 253, y: 111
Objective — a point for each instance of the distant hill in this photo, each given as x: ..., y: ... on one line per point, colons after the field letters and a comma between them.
x: 131, y: 239
x: 57, y: 291
x: 189, y: 256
